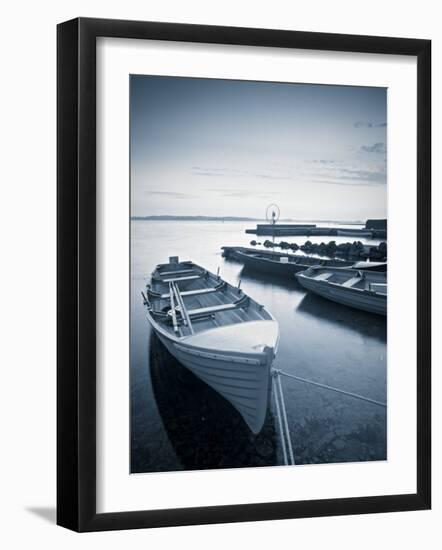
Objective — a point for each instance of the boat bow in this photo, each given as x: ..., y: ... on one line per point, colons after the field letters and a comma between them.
x: 235, y: 361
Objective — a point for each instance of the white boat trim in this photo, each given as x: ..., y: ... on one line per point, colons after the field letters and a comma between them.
x: 177, y: 279
x: 194, y: 292
x: 178, y: 272
x: 218, y: 356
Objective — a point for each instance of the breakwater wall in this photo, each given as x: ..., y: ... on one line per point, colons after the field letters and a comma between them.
x: 291, y: 230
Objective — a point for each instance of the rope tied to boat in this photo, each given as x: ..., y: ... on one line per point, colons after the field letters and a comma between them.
x: 281, y: 411
x: 331, y: 388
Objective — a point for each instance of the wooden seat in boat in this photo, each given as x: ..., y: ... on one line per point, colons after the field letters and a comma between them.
x: 197, y: 292
x: 351, y: 282
x: 213, y: 309
x: 323, y: 276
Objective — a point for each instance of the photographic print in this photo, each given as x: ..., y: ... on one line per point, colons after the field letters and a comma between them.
x: 258, y: 244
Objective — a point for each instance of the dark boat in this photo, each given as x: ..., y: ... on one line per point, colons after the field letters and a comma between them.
x: 287, y: 265
x: 277, y: 263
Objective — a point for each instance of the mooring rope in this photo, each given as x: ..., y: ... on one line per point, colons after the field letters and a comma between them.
x: 326, y: 387
x: 284, y: 418
x: 281, y: 429
x: 281, y: 410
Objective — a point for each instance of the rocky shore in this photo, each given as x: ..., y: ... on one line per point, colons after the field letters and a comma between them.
x: 353, y: 250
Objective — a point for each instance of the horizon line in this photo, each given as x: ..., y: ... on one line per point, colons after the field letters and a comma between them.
x: 177, y: 217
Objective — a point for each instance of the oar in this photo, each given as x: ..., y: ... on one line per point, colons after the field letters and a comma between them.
x: 172, y: 305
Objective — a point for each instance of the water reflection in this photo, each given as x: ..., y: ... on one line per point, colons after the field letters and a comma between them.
x: 331, y: 313
x: 178, y: 422
x: 287, y: 283
x: 204, y: 430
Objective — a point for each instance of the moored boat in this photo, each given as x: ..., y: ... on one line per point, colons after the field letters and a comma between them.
x: 365, y: 290
x: 278, y: 263
x: 285, y: 265
x: 230, y: 252
x: 218, y: 332
x: 354, y: 232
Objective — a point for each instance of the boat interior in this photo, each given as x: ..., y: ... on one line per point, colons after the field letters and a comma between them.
x: 186, y: 299
x: 363, y: 280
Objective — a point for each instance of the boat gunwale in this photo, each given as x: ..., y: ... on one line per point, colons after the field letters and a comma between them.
x: 182, y: 340
x: 293, y: 259
x: 345, y: 289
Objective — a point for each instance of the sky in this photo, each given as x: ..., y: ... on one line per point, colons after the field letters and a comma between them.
x: 229, y: 148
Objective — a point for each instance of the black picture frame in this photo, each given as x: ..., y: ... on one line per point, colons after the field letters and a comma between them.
x: 76, y: 273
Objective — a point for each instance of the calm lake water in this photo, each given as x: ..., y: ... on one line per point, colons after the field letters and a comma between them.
x: 179, y: 423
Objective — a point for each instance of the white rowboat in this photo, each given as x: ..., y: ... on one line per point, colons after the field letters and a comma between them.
x: 366, y: 290
x: 218, y: 332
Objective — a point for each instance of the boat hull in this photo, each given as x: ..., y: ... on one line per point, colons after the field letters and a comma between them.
x: 242, y: 379
x: 269, y: 266
x: 354, y: 233
x: 270, y: 263
x: 365, y: 301
x: 216, y: 331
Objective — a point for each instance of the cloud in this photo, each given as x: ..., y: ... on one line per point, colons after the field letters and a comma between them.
x: 366, y: 180
x: 242, y: 193
x: 375, y: 148
x: 218, y: 172
x: 368, y: 124
x: 318, y: 171
x: 363, y: 175
x: 233, y: 173
x: 272, y: 176
x: 341, y: 175
x: 172, y: 194
x: 247, y: 193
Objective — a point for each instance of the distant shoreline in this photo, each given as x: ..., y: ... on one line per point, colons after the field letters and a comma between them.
x: 196, y: 218
x: 232, y: 219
